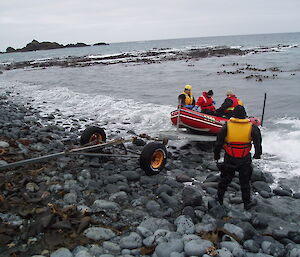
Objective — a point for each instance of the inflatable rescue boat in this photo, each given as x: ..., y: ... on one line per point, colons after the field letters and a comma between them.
x: 200, y: 122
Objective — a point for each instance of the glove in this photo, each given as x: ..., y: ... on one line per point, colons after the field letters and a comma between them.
x: 188, y: 106
x: 217, y: 156
x: 256, y: 156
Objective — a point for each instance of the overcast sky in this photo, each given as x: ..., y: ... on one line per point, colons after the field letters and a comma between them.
x: 92, y: 21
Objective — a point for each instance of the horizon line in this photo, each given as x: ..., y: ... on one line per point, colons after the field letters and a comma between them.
x: 229, y: 35
x: 145, y: 40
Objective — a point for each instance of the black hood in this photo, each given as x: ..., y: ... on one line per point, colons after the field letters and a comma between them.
x: 239, y: 112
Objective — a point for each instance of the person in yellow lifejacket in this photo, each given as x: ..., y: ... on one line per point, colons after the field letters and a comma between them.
x: 236, y: 138
x: 186, y: 98
x: 228, y: 105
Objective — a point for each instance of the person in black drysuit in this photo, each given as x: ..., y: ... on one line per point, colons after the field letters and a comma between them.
x: 228, y: 105
x: 242, y: 163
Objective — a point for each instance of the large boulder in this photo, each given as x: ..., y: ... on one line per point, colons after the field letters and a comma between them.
x: 191, y: 197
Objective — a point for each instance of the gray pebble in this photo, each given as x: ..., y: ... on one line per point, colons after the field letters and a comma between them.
x: 166, y: 248
x: 4, y: 144
x: 98, y: 233
x: 62, y: 252
x: 185, y: 225
x: 83, y: 253
x: 100, y: 205
x: 197, y: 247
x: 132, y: 241
x: 235, y: 230
x: 70, y: 198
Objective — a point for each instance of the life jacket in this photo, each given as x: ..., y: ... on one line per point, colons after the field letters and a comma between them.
x: 235, y: 102
x: 188, y: 98
x: 206, y: 103
x: 238, y: 139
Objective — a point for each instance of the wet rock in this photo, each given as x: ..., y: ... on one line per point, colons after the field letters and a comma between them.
x: 98, y: 233
x: 165, y: 249
x: 115, y: 178
x: 212, y: 178
x: 248, y: 229
x: 175, y: 254
x: 238, y: 252
x: 212, y: 191
x: 62, y: 252
x: 70, y: 198
x: 169, y: 200
x: 230, y: 245
x: 100, y: 205
x: 4, y: 144
x: 218, y: 212
x: 144, y: 231
x: 281, y: 192
x: 152, y: 206
x: 224, y: 252
x: 190, y: 212
x: 296, y: 195
x: 153, y: 224
x: 197, y: 247
x: 257, y: 175
x: 183, y: 178
x: 260, y: 220
x: 261, y: 186
x: 132, y: 241
x: 273, y: 249
x: 83, y: 253
x: 251, y: 246
x: 235, y: 230
x: 111, y: 247
x: 164, y: 188
x: 265, y: 194
x: 2, y: 162
x: 191, y: 197
x: 184, y: 225
x: 131, y: 175
x: 96, y: 250
x: 120, y: 198
x: 294, y: 251
x: 294, y: 236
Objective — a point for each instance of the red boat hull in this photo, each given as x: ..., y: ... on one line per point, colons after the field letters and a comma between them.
x: 201, y: 122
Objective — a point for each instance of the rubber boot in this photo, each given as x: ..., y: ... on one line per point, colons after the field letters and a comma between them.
x: 249, y: 205
x: 220, y: 197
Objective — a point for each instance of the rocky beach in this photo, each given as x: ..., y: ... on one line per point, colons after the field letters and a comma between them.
x: 87, y: 206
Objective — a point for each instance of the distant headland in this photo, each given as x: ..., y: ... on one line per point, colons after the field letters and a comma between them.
x: 35, y: 45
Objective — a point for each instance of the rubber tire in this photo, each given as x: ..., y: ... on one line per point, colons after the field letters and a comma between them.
x: 89, y: 131
x: 146, y: 158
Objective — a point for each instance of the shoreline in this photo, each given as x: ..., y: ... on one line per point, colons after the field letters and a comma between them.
x: 111, y: 207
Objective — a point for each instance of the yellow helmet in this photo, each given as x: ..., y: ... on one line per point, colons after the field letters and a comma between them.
x: 188, y: 87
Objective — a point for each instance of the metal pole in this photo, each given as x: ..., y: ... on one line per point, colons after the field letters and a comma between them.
x: 263, y: 112
x: 33, y: 160
x: 178, y: 117
x: 106, y: 154
x: 72, y: 151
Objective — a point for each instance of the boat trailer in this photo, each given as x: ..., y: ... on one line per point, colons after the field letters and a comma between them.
x: 152, y: 158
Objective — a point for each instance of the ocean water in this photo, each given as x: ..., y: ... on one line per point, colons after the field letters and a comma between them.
x: 140, y: 97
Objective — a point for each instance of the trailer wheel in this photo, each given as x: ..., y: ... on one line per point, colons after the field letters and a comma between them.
x: 93, y: 134
x: 153, y: 158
